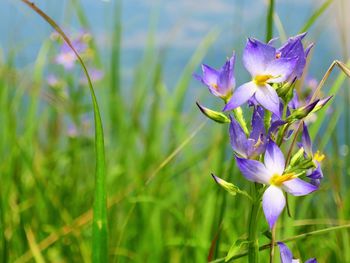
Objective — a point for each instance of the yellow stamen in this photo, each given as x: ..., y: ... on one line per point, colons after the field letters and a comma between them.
x: 278, y: 55
x: 262, y: 79
x: 214, y: 85
x: 319, y: 157
x: 278, y: 180
x: 258, y: 143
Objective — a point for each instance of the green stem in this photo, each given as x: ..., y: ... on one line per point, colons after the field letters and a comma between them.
x: 269, y: 20
x: 253, y: 249
x: 273, y: 238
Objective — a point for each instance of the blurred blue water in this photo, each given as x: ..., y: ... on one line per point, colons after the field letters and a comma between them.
x: 180, y: 26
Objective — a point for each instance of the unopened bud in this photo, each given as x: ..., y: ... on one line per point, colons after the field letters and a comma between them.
x: 213, y: 115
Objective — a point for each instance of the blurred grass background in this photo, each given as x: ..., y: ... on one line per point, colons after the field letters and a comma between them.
x: 163, y: 204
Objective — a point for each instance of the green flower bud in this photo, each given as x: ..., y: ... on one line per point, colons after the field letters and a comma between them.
x: 213, y: 115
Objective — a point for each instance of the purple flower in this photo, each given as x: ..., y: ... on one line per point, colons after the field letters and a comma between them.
x: 272, y: 174
x: 66, y: 56
x: 287, y: 257
x: 316, y: 175
x: 219, y: 82
x: 266, y: 67
x: 66, y: 59
x: 255, y: 144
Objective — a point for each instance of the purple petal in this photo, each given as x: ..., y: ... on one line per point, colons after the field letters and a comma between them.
x: 258, y: 127
x: 274, y: 126
x: 273, y: 203
x: 288, y: 135
x: 298, y: 187
x: 273, y: 41
x: 210, y: 79
x: 210, y: 75
x: 255, y: 148
x: 306, y: 141
x: 321, y: 103
x: 238, y: 138
x: 226, y: 80
x: 281, y: 69
x: 285, y: 253
x: 66, y: 59
x: 311, y: 260
x: 253, y: 170
x: 257, y: 56
x: 317, y: 173
x: 300, y: 36
x: 241, y: 95
x: 274, y: 159
x: 78, y: 45
x: 294, y: 49
x: 268, y: 98
x: 308, y: 49
x: 316, y: 176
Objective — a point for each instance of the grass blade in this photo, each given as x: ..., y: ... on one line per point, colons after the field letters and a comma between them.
x: 269, y: 20
x: 99, y: 227
x: 315, y: 16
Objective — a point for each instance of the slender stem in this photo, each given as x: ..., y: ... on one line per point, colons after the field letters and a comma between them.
x: 253, y: 249
x: 273, y: 240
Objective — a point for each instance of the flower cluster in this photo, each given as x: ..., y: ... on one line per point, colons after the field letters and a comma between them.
x: 263, y: 149
x: 66, y: 58
x: 65, y: 81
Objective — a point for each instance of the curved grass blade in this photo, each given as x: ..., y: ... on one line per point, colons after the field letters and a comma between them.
x: 99, y: 227
x: 315, y: 16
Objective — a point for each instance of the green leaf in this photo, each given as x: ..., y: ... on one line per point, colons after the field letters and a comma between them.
x: 315, y: 16
x: 99, y: 224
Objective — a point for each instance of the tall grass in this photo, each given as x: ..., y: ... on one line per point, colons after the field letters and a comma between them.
x: 162, y: 203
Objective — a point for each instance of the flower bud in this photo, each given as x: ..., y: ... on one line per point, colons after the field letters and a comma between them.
x: 213, y: 115
x: 286, y: 91
x: 302, y: 112
x: 297, y: 157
